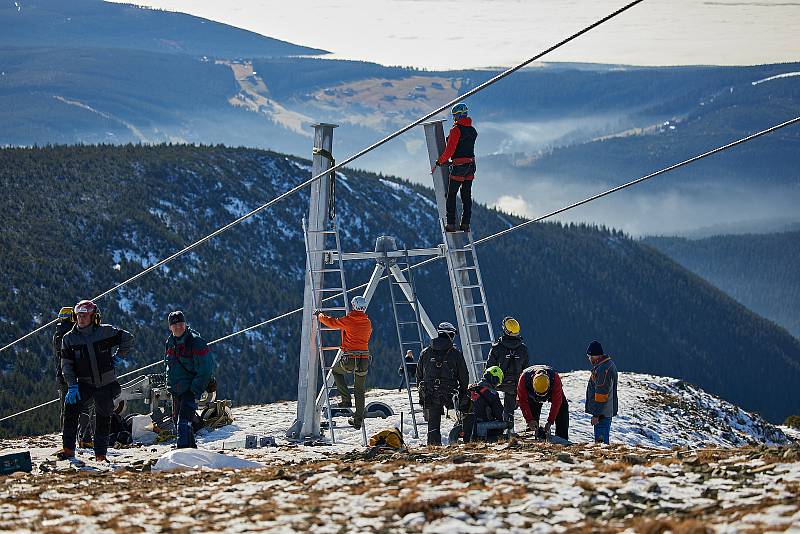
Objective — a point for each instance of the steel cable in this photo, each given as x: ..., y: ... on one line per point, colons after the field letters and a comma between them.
x: 490, y: 237
x: 341, y: 164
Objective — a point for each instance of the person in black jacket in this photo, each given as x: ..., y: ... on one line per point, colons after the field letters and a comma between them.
x: 484, y: 420
x: 511, y: 355
x: 85, y: 426
x: 459, y: 155
x: 441, y: 375
x: 89, y: 355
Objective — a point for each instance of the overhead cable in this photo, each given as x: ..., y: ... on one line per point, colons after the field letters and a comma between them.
x: 490, y: 237
x: 350, y: 159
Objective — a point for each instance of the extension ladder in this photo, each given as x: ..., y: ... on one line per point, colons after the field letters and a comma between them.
x: 469, y: 297
x: 407, y: 320
x: 329, y: 295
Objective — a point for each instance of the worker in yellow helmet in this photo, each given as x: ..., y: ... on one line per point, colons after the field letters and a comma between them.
x: 539, y: 384
x: 510, y: 354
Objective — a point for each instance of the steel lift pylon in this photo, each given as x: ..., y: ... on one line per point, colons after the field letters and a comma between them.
x: 469, y: 297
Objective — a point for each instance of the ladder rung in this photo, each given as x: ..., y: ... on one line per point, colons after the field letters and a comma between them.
x: 407, y: 322
x: 411, y: 342
x: 330, y: 348
x: 412, y: 303
x: 480, y: 342
x: 479, y: 305
x: 334, y: 308
x: 471, y: 268
x: 468, y: 249
x: 328, y: 329
x: 329, y: 289
x: 337, y: 270
x: 471, y: 286
x: 483, y: 323
x: 321, y: 231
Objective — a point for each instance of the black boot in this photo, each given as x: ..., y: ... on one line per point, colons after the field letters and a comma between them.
x: 465, y: 227
x: 450, y: 228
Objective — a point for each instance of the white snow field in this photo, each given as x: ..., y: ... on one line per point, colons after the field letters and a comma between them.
x: 680, y: 460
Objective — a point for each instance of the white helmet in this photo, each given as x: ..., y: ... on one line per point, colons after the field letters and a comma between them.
x: 446, y: 328
x: 359, y: 303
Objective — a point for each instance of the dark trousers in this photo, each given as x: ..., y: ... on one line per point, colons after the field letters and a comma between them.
x: 434, y: 412
x: 509, y: 405
x: 562, y: 418
x: 466, y: 200
x: 359, y: 367
x: 104, y: 405
x: 184, y: 410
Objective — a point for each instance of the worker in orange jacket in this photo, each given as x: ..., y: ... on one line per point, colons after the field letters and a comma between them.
x: 356, y: 330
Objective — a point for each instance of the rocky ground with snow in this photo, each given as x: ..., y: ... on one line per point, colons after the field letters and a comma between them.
x: 680, y: 460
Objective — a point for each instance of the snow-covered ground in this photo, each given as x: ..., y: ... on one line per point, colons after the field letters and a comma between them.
x: 679, y: 459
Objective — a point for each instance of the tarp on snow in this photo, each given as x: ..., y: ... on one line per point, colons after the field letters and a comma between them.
x: 197, y: 459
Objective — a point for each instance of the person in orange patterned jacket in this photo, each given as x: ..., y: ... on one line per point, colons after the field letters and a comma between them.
x: 355, y: 358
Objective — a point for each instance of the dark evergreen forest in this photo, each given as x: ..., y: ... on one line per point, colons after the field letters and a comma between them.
x: 80, y: 219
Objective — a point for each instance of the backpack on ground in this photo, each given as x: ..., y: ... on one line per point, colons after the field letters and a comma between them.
x: 390, y: 438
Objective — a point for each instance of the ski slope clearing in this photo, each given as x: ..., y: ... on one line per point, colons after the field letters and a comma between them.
x: 679, y: 459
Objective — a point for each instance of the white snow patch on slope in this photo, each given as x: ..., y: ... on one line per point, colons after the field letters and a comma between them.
x: 238, y: 208
x: 777, y: 76
x: 397, y: 187
x: 198, y: 459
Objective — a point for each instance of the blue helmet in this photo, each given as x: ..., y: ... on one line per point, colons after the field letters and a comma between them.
x: 460, y: 111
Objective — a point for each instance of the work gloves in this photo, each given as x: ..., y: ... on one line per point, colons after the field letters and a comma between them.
x: 317, y: 312
x: 72, y: 396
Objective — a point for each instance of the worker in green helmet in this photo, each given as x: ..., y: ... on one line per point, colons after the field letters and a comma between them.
x: 485, y: 421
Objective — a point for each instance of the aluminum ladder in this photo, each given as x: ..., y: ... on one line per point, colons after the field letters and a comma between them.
x: 405, y: 307
x: 469, y: 297
x: 329, y: 295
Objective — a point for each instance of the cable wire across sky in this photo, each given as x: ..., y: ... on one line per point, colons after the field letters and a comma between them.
x: 488, y: 238
x: 346, y: 161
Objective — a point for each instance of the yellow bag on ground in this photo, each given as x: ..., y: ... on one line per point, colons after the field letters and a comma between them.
x: 390, y: 437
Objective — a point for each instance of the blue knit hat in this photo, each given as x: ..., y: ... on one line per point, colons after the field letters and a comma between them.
x: 595, y: 349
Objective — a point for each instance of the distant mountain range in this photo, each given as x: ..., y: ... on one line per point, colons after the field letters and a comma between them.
x: 81, y: 219
x: 760, y: 271
x: 87, y: 71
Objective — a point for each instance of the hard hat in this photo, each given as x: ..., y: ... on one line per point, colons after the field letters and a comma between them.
x: 494, y: 375
x: 541, y: 383
x: 446, y: 328
x: 460, y: 110
x: 65, y: 313
x: 510, y: 326
x: 86, y: 306
x: 359, y: 303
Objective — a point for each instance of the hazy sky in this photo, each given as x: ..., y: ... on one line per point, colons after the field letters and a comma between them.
x: 447, y: 34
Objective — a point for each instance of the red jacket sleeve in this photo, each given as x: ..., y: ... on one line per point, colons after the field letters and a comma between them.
x: 522, y: 399
x: 556, y: 399
x: 452, y: 143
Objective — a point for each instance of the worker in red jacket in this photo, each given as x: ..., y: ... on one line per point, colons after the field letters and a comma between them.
x: 460, y: 155
x: 539, y: 384
x: 356, y: 330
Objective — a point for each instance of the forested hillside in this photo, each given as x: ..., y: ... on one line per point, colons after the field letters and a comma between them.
x: 81, y: 219
x: 760, y: 271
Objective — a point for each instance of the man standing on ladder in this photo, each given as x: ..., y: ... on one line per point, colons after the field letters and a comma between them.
x: 460, y: 154
x: 356, y: 330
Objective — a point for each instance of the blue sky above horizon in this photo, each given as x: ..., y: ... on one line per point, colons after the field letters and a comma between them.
x: 450, y: 34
